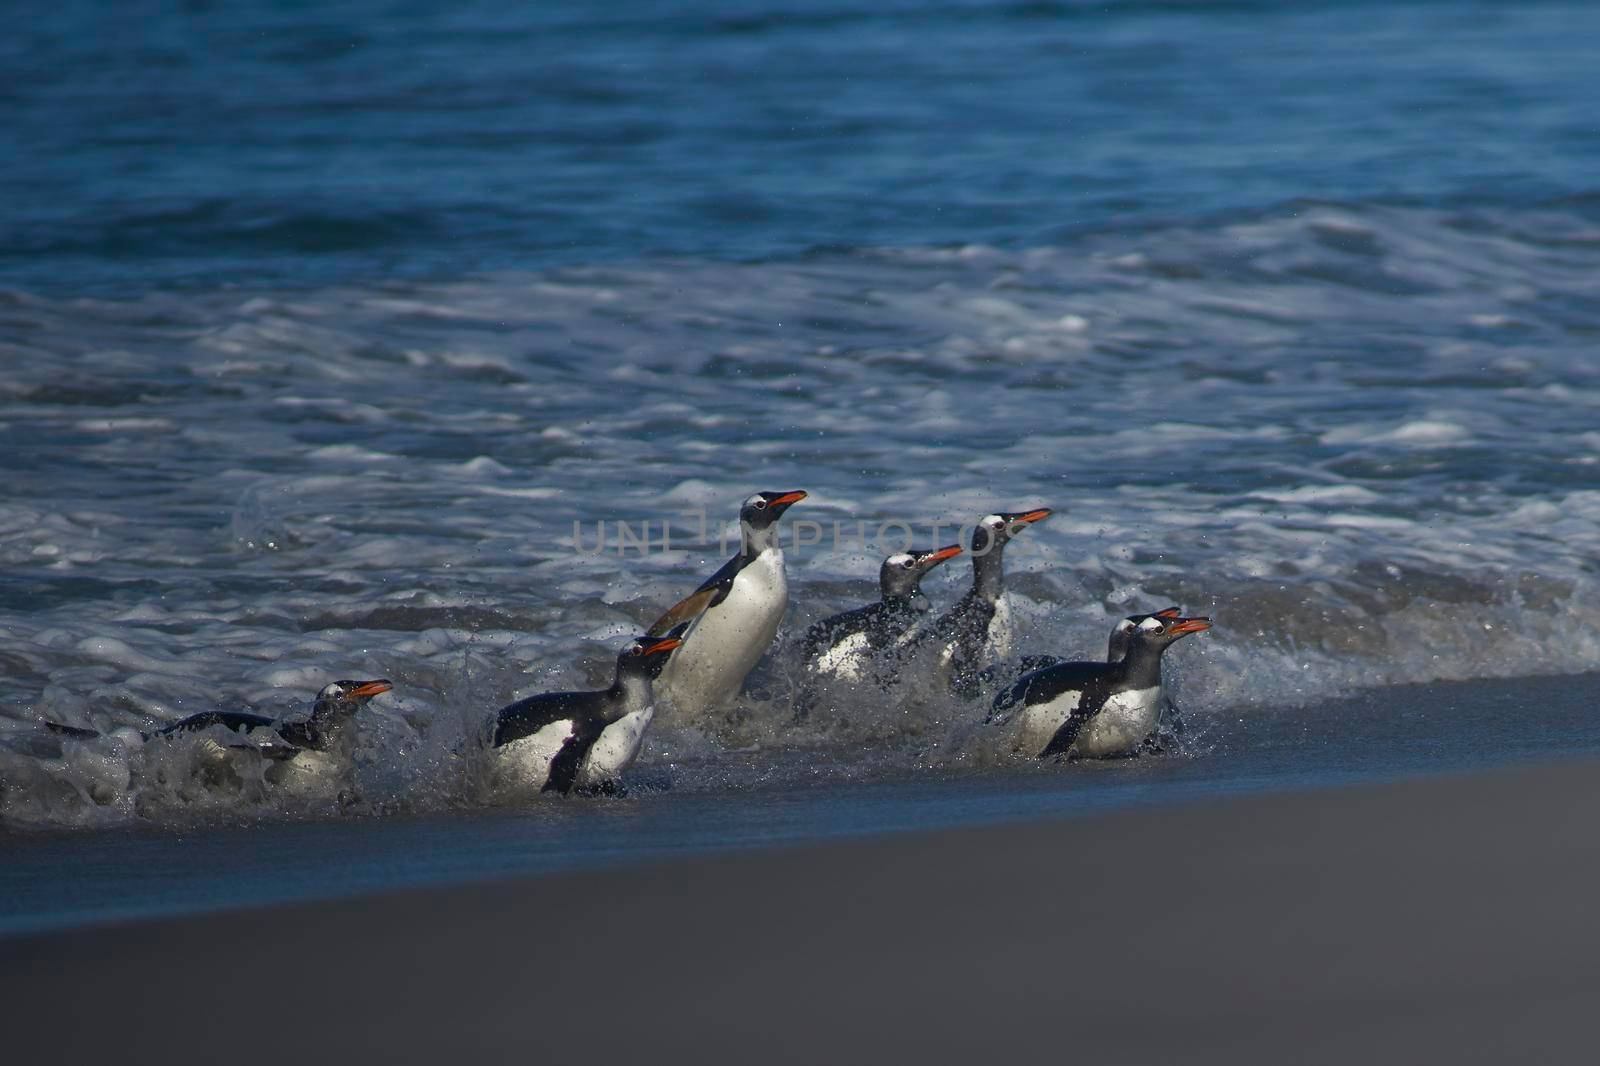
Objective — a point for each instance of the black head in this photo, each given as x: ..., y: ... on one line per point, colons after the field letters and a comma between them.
x: 343, y: 699
x: 646, y: 655
x: 993, y: 531
x: 1117, y: 647
x: 902, y: 572
x: 765, y: 508
x: 1157, y: 632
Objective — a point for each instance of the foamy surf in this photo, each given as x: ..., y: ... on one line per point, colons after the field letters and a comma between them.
x: 1359, y: 436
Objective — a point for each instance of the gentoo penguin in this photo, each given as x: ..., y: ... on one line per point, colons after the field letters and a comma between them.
x: 1169, y: 728
x: 732, y: 617
x: 331, y: 715
x: 978, y: 629
x: 1097, y: 709
x: 559, y: 741
x: 844, y: 644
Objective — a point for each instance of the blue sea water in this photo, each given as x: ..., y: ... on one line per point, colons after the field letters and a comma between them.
x: 153, y: 145
x: 322, y: 325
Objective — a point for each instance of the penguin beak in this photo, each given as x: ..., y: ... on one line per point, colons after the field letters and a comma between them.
x: 1169, y: 613
x: 933, y: 559
x: 662, y: 645
x: 368, y: 689
x: 1185, y: 626
x: 1027, y: 518
x: 786, y: 499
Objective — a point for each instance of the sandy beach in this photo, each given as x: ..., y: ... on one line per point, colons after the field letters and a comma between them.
x: 1448, y: 919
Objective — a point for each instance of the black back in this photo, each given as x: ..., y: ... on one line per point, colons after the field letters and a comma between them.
x: 527, y: 716
x: 883, y: 623
x: 285, y: 743
x: 237, y: 721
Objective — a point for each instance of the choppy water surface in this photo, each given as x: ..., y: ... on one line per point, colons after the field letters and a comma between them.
x: 1332, y: 381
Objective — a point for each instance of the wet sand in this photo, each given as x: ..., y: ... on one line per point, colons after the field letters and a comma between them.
x: 1449, y: 919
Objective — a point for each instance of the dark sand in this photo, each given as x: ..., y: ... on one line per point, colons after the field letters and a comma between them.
x: 1443, y: 920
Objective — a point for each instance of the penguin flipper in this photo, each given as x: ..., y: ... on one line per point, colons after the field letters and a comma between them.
x: 686, y: 609
x: 710, y: 593
x: 526, y: 717
x: 565, y: 765
x: 1061, y: 743
x: 1016, y: 694
x: 70, y: 730
x: 233, y: 720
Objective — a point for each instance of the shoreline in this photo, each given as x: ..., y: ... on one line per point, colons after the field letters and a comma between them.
x: 1449, y: 918
x: 63, y: 880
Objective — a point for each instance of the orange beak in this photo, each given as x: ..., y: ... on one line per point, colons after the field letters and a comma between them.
x: 942, y: 554
x: 1029, y: 517
x: 789, y: 497
x: 1190, y: 625
x: 1169, y: 612
x: 662, y: 645
x: 368, y: 689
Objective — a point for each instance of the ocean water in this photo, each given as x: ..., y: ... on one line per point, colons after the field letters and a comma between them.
x: 331, y: 338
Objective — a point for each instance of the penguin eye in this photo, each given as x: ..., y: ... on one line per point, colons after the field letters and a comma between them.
x: 910, y: 564
x: 636, y: 650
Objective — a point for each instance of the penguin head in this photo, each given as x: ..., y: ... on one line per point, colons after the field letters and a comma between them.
x: 647, y: 655
x: 343, y: 698
x: 902, y: 572
x: 1123, y: 630
x: 764, y: 509
x: 1157, y: 632
x: 994, y: 530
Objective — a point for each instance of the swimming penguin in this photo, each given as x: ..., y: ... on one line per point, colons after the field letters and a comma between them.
x: 1170, y: 728
x: 560, y: 741
x: 844, y: 644
x: 732, y: 617
x: 1097, y: 709
x: 978, y: 628
x: 332, y: 714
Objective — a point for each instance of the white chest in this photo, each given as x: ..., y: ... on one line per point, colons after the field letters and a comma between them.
x: 1122, y: 724
x: 1002, y: 630
x: 726, y: 642
x: 762, y: 588
x: 526, y: 762
x: 1041, y: 721
x: 306, y: 771
x: 615, y: 749
x: 847, y: 659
